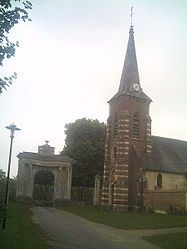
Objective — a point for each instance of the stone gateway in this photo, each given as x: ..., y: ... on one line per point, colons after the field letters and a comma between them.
x: 44, y: 177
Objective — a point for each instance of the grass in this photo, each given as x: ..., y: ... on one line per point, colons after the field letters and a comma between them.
x: 20, y: 232
x: 169, y: 241
x: 128, y: 220
x: 131, y: 221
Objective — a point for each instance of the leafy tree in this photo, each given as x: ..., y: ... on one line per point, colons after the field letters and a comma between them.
x: 12, y: 186
x: 2, y: 175
x: 85, y: 143
x: 2, y: 184
x: 11, y: 12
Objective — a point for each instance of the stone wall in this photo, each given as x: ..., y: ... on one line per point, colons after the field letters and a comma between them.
x: 165, y: 200
x: 170, y: 181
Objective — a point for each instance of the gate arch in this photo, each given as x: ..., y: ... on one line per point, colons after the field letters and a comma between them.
x: 43, y: 191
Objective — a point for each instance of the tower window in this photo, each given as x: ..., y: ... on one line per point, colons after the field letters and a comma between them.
x: 159, y: 181
x: 115, y: 126
x: 136, y: 125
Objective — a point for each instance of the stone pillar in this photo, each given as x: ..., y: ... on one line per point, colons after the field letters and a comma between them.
x: 27, y: 179
x: 19, y: 187
x: 97, y: 185
x: 64, y: 183
x: 56, y: 191
x: 69, y: 172
x: 70, y: 182
x: 59, y: 184
x: 30, y: 180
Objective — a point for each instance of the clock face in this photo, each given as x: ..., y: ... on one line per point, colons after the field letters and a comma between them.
x: 136, y: 86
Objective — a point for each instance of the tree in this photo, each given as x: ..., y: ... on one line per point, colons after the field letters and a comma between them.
x: 2, y: 175
x: 11, y: 12
x: 85, y: 143
x: 12, y: 186
x: 2, y: 184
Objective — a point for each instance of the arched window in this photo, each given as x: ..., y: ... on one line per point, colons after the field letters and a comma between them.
x: 159, y: 181
x: 115, y: 126
x: 136, y: 125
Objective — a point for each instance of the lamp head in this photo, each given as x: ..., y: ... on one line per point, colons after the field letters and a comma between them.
x: 12, y: 128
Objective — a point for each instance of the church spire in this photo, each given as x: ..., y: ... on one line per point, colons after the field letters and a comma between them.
x: 130, y: 69
x: 130, y: 81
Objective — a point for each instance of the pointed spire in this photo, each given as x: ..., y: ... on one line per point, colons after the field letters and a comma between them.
x: 130, y: 69
x: 130, y: 72
x: 130, y: 81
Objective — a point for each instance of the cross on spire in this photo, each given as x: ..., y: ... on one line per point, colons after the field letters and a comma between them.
x: 131, y: 14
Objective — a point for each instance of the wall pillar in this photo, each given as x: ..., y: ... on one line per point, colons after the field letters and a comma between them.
x: 97, y: 185
x: 19, y: 187
x: 69, y: 172
x: 30, y: 192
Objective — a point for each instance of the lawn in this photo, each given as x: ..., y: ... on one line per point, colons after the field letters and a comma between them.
x: 128, y: 220
x: 169, y: 241
x: 132, y: 220
x: 20, y: 232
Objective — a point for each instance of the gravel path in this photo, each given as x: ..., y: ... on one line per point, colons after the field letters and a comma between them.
x: 68, y: 231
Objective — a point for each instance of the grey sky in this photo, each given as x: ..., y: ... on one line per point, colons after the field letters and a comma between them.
x: 69, y: 65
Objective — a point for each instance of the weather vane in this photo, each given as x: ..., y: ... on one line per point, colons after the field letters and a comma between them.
x: 131, y: 14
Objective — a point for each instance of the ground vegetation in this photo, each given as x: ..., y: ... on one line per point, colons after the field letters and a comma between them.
x: 21, y: 232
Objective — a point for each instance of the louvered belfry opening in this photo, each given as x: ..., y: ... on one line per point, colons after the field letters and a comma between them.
x: 136, y: 125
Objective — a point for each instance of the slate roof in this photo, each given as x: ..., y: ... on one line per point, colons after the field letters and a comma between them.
x: 168, y: 155
x: 48, y: 158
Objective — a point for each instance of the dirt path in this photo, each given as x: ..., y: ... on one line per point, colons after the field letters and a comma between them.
x: 68, y: 231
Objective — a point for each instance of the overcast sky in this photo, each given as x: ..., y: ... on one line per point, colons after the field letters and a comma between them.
x: 70, y: 61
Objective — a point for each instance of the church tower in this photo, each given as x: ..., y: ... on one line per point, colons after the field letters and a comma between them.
x: 128, y: 142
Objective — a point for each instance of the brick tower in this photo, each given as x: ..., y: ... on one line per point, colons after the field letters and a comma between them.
x: 128, y: 143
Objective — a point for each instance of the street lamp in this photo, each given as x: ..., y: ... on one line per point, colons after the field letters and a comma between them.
x: 12, y: 129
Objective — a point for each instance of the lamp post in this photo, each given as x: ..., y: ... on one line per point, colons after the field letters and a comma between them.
x: 12, y: 129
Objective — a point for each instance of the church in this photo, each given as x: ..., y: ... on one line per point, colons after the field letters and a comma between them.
x: 140, y: 170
